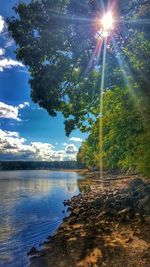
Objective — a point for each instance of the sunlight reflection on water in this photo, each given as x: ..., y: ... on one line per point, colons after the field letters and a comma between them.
x: 30, y: 210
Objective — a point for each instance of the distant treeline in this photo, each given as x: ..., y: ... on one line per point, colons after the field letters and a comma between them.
x: 39, y: 165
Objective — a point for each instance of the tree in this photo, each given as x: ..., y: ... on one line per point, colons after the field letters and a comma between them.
x: 57, y: 39
x: 126, y: 136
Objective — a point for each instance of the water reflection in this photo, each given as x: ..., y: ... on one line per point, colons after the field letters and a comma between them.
x: 30, y: 209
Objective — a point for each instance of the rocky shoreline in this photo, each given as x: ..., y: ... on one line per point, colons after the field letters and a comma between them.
x: 108, y: 226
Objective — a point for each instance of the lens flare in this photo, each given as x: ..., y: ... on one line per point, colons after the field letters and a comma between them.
x: 107, y: 21
x: 101, y: 110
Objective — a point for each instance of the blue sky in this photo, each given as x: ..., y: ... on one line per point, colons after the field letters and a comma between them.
x: 27, y: 132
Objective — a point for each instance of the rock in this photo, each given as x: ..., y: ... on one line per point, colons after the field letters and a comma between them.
x: 50, y: 237
x: 136, y: 194
x: 32, y: 251
x: 118, y: 202
x: 145, y: 203
x: 127, y: 201
x: 69, y: 209
x: 123, y: 214
x: 65, y: 219
x: 98, y: 202
x: 115, y: 192
x: 147, y: 219
x: 95, y: 219
x: 66, y: 202
x: 130, y: 239
x: 135, y: 183
x: 76, y: 211
x: 144, y: 207
x: 147, y: 189
x: 101, y: 214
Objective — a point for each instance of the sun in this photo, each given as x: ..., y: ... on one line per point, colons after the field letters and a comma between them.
x: 107, y: 21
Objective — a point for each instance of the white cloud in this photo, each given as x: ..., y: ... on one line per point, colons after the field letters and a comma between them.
x: 13, y: 146
x: 71, y: 149
x: 2, y: 51
x: 2, y: 24
x: 65, y: 144
x: 8, y: 134
x: 8, y: 63
x: 59, y: 155
x: 9, y: 42
x: 25, y: 104
x: 11, y: 112
x: 42, y: 151
x: 10, y: 142
x: 76, y: 139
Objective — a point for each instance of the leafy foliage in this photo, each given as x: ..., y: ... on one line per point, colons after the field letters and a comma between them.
x: 126, y: 137
x: 57, y: 41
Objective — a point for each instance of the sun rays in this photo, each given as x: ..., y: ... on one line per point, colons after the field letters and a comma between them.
x: 101, y: 108
x: 94, y: 57
x: 104, y: 26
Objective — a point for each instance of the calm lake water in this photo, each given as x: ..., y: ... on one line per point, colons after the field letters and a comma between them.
x: 31, y: 209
